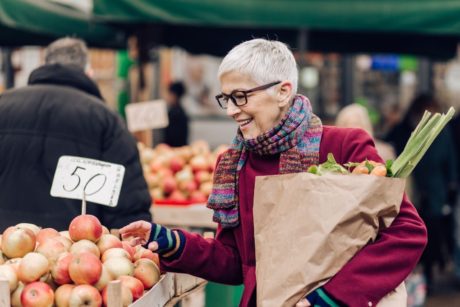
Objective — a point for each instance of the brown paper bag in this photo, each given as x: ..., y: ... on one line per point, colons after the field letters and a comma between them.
x: 307, y: 227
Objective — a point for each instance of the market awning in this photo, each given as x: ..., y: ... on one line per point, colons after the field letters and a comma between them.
x: 38, y: 22
x: 410, y: 26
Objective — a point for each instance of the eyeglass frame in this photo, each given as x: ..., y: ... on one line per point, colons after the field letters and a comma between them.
x: 245, y: 94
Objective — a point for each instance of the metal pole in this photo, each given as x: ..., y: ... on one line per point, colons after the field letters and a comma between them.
x: 7, y: 68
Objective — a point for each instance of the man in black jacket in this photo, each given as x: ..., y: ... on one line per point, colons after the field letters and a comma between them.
x: 61, y: 112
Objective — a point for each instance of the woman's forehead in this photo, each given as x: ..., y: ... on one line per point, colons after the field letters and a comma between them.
x: 236, y: 80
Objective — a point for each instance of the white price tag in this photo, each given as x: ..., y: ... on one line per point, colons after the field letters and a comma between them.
x: 146, y: 115
x: 100, y: 181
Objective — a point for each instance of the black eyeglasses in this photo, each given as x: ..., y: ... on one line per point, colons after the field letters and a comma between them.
x: 240, y: 97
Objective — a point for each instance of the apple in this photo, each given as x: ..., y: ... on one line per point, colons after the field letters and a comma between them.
x: 37, y: 294
x: 108, y: 241
x: 104, y: 279
x: 147, y: 272
x: 105, y: 230
x: 119, y: 266
x: 32, y: 267
x: 65, y: 233
x: 17, y: 242
x: 14, y: 263
x: 16, y: 295
x: 198, y: 197
x: 169, y: 184
x: 114, y: 253
x: 202, y: 176
x: 64, y: 240
x: 142, y: 252
x: 45, y: 234
x: 133, y: 284
x: 126, y: 296
x: 62, y: 295
x: 184, y: 175
x: 85, y: 295
x: 2, y: 258
x: 156, y: 193
x: 51, y: 249
x: 199, y: 163
x: 206, y: 188
x: 85, y: 226
x: 60, y: 269
x: 177, y: 195
x: 85, y: 268
x: 176, y: 164
x: 8, y: 273
x: 85, y: 246
x: 188, y: 186
x: 35, y: 229
x: 127, y: 247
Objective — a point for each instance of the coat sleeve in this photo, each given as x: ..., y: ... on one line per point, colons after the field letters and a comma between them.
x: 216, y: 259
x: 382, y: 265
x: 119, y: 146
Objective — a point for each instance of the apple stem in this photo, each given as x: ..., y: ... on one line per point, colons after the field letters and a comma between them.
x: 83, y: 204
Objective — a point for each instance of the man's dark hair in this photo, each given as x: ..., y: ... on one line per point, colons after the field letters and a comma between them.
x: 177, y: 88
x: 67, y: 51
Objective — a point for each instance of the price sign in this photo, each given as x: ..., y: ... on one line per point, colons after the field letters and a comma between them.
x: 99, y: 181
x: 146, y: 115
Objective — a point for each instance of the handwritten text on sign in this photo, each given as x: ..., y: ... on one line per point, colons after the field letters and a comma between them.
x: 100, y: 181
x: 146, y: 115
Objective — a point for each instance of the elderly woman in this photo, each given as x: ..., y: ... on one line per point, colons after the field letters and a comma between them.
x: 279, y: 134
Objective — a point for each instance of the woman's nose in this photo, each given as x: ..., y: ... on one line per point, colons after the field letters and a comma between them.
x: 232, y: 109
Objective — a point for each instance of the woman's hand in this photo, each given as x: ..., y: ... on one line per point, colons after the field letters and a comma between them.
x: 303, y: 303
x: 136, y: 233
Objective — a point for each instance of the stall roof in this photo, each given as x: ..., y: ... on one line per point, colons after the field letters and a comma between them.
x: 420, y: 27
x: 414, y: 16
x: 38, y: 22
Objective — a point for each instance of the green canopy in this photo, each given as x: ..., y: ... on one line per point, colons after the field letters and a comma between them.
x: 414, y: 16
x: 38, y: 22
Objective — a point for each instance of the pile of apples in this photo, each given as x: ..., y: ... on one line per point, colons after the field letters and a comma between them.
x: 181, y: 173
x: 45, y: 267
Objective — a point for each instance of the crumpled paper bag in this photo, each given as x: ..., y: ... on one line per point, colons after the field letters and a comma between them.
x: 307, y: 227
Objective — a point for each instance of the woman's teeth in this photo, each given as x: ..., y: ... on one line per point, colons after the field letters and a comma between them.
x: 244, y: 123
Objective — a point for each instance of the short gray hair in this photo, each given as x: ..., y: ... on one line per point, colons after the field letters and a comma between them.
x: 67, y: 51
x: 263, y: 60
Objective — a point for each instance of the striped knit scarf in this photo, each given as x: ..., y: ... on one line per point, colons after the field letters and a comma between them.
x: 297, y: 137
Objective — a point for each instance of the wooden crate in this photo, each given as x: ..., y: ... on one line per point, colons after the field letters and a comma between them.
x: 159, y: 294
x: 185, y: 282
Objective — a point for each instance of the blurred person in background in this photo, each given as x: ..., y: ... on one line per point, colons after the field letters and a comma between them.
x: 176, y: 134
x: 435, y: 182
x: 357, y: 116
x: 279, y: 134
x: 61, y: 112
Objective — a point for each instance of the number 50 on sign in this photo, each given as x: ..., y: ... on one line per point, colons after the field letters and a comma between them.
x: 99, y: 181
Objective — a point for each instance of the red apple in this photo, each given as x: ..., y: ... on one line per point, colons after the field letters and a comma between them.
x: 17, y: 242
x: 37, y: 294
x: 85, y: 227
x: 45, y: 234
x: 62, y: 295
x: 85, y: 246
x: 176, y: 164
x: 14, y: 263
x: 206, y: 188
x: 60, y: 269
x: 202, y: 176
x: 8, y: 273
x: 33, y: 267
x: 108, y: 241
x: 119, y: 266
x: 147, y: 272
x: 65, y: 233
x: 188, y: 186
x: 85, y: 295
x: 126, y: 296
x: 127, y: 247
x: 85, y: 268
x: 133, y: 284
x: 51, y: 249
x: 64, y: 240
x: 199, y: 163
x: 142, y: 252
x: 169, y: 184
x: 177, y: 195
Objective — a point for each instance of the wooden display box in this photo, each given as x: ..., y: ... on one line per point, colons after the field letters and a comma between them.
x: 185, y: 282
x: 159, y: 294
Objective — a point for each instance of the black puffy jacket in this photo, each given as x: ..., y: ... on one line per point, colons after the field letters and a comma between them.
x: 60, y: 113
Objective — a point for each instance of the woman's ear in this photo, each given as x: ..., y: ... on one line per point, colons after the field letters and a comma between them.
x: 284, y: 93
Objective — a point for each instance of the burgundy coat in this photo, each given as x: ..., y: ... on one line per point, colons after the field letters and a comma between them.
x: 372, y: 273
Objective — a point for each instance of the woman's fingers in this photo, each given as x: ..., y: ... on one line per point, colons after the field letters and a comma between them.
x: 303, y: 303
x: 136, y: 233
